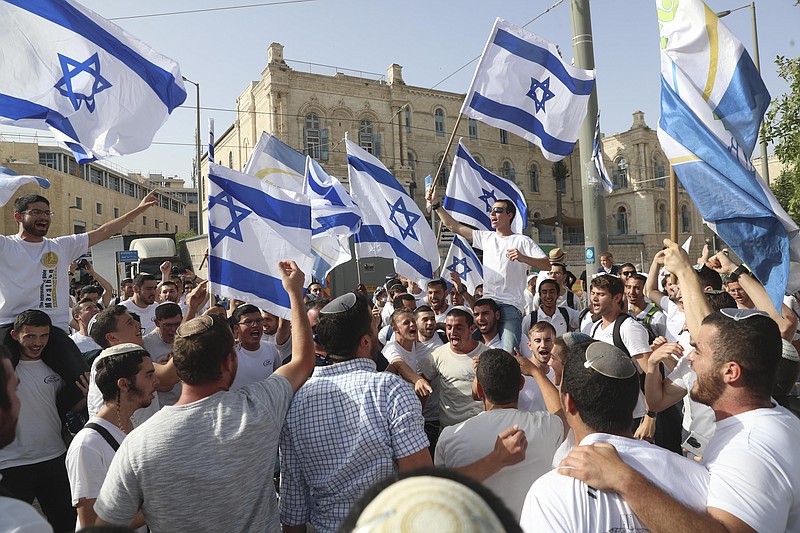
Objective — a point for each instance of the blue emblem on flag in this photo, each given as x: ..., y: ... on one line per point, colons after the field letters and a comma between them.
x: 546, y: 93
x: 71, y: 69
x: 486, y: 196
x: 237, y: 214
x: 462, y: 262
x: 411, y: 218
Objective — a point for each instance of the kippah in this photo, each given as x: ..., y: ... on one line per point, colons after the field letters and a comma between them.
x: 575, y: 337
x: 341, y: 304
x: 91, y: 323
x: 429, y: 503
x: 119, y: 349
x: 609, y: 361
x: 195, y: 326
x: 789, y: 352
x: 461, y: 308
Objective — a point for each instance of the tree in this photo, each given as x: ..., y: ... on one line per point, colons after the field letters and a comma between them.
x: 560, y: 174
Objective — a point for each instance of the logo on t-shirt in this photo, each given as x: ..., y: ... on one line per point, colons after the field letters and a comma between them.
x: 47, y: 290
x: 52, y: 378
x: 267, y: 363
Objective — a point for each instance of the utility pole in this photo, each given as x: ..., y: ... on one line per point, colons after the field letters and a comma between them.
x: 594, y: 206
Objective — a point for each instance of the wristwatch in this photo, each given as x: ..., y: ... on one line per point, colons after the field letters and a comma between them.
x: 741, y: 269
x: 436, y: 206
x: 651, y: 414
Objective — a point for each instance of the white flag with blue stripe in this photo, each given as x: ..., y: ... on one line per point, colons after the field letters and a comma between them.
x: 10, y: 181
x: 277, y: 163
x: 472, y: 190
x: 99, y: 90
x: 251, y: 226
x: 462, y: 260
x: 712, y: 103
x: 521, y: 85
x: 597, y: 159
x: 392, y: 226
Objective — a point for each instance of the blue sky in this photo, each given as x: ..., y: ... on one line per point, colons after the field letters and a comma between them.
x: 224, y: 50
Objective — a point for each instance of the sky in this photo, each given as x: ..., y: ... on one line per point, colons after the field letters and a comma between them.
x: 432, y: 39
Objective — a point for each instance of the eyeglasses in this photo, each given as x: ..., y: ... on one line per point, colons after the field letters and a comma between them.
x: 250, y: 322
x: 38, y: 213
x: 497, y: 210
x: 742, y: 314
x: 628, y: 272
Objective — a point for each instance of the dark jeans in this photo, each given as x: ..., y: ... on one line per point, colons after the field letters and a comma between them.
x: 48, y: 483
x: 60, y: 354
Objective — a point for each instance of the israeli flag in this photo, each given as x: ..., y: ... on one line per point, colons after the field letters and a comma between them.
x: 10, y: 181
x: 97, y: 88
x: 461, y: 260
x: 277, y: 163
x: 712, y: 103
x: 392, y: 226
x: 251, y: 226
x: 472, y: 191
x: 522, y: 85
x: 597, y: 159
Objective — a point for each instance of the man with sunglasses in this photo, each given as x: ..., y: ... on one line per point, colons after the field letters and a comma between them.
x: 258, y: 359
x: 754, y: 472
x: 506, y: 257
x: 34, y: 274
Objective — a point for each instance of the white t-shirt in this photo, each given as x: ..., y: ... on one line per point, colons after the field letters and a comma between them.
x: 473, y: 439
x: 440, y: 317
x: 284, y: 349
x: 148, y: 314
x: 697, y: 417
x: 430, y: 409
x: 94, y: 400
x: 635, y: 339
x: 530, y: 396
x: 676, y: 318
x: 38, y: 435
x: 256, y: 365
x: 35, y: 275
x: 496, y: 342
x: 503, y: 279
x: 21, y: 517
x: 159, y: 350
x: 88, y: 459
x: 561, y: 503
x: 755, y: 474
x: 456, y: 373
x: 557, y: 320
x: 658, y: 322
x: 84, y: 342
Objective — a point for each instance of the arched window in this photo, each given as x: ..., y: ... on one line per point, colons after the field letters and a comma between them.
x: 473, y: 129
x: 659, y: 172
x: 619, y: 176
x: 412, y: 163
x: 230, y: 159
x: 686, y: 220
x: 443, y: 175
x: 408, y: 119
x: 507, y: 171
x: 312, y: 134
x: 438, y: 121
x: 534, y: 178
x: 503, y: 137
x: 661, y: 219
x: 622, y: 220
x: 365, y: 139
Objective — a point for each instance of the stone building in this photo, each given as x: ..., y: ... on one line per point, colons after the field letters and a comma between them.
x: 408, y: 128
x: 84, y: 197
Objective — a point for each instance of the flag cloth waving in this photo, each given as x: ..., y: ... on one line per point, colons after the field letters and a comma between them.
x: 10, y: 181
x: 597, y: 159
x: 392, y: 225
x: 712, y: 103
x: 100, y: 90
x: 251, y: 226
x: 277, y: 163
x: 472, y: 190
x: 522, y: 85
x: 462, y: 260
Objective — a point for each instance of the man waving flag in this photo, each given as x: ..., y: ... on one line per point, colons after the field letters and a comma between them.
x: 100, y: 90
x: 712, y: 103
x: 522, y: 85
x: 392, y: 225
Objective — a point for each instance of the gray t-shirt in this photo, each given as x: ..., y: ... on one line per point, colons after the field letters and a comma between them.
x: 205, y: 466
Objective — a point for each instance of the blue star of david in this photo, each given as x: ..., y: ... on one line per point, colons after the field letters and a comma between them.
x: 547, y: 94
x: 233, y: 230
x: 486, y: 196
x: 70, y: 70
x: 411, y: 218
x: 460, y: 261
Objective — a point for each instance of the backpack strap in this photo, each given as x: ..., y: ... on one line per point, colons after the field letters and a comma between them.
x: 104, y: 433
x: 570, y: 299
x: 617, y: 336
x: 565, y: 314
x: 649, y: 316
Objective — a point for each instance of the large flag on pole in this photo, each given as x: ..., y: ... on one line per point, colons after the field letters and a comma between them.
x: 277, y: 163
x: 462, y: 260
x: 472, y: 190
x: 712, y: 103
x: 251, y: 226
x: 10, y: 181
x: 100, y: 90
x: 392, y: 226
x: 597, y: 159
x: 522, y: 85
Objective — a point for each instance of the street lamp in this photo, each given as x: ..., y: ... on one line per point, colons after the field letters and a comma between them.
x: 198, y: 175
x: 757, y: 61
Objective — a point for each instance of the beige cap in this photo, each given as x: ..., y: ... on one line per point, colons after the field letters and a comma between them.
x: 557, y: 255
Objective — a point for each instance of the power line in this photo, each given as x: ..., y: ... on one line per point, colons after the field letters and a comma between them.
x: 207, y: 10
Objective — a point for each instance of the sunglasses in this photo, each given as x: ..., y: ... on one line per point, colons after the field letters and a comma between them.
x: 497, y: 210
x: 628, y: 272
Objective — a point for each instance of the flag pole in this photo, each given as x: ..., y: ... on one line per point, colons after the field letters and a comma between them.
x: 673, y: 205
x: 446, y: 151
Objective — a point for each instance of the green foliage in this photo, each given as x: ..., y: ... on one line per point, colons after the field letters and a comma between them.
x: 560, y: 171
x: 787, y: 190
x: 185, y: 235
x: 782, y: 122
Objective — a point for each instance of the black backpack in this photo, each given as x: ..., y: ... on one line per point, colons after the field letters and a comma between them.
x: 617, y: 337
x: 562, y: 310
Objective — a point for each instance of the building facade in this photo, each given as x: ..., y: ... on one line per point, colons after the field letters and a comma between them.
x: 408, y: 128
x: 84, y: 197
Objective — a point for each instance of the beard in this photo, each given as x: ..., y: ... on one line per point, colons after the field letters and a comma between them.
x: 30, y: 227
x: 708, y: 388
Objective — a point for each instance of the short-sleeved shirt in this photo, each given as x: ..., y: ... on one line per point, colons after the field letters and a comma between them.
x: 148, y: 314
x: 503, y: 279
x: 89, y: 458
x: 557, y: 320
x: 456, y: 374
x: 223, y: 446
x: 35, y: 275
x: 256, y: 365
x: 345, y: 430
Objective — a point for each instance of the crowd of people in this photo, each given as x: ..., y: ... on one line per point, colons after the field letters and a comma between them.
x: 660, y: 401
